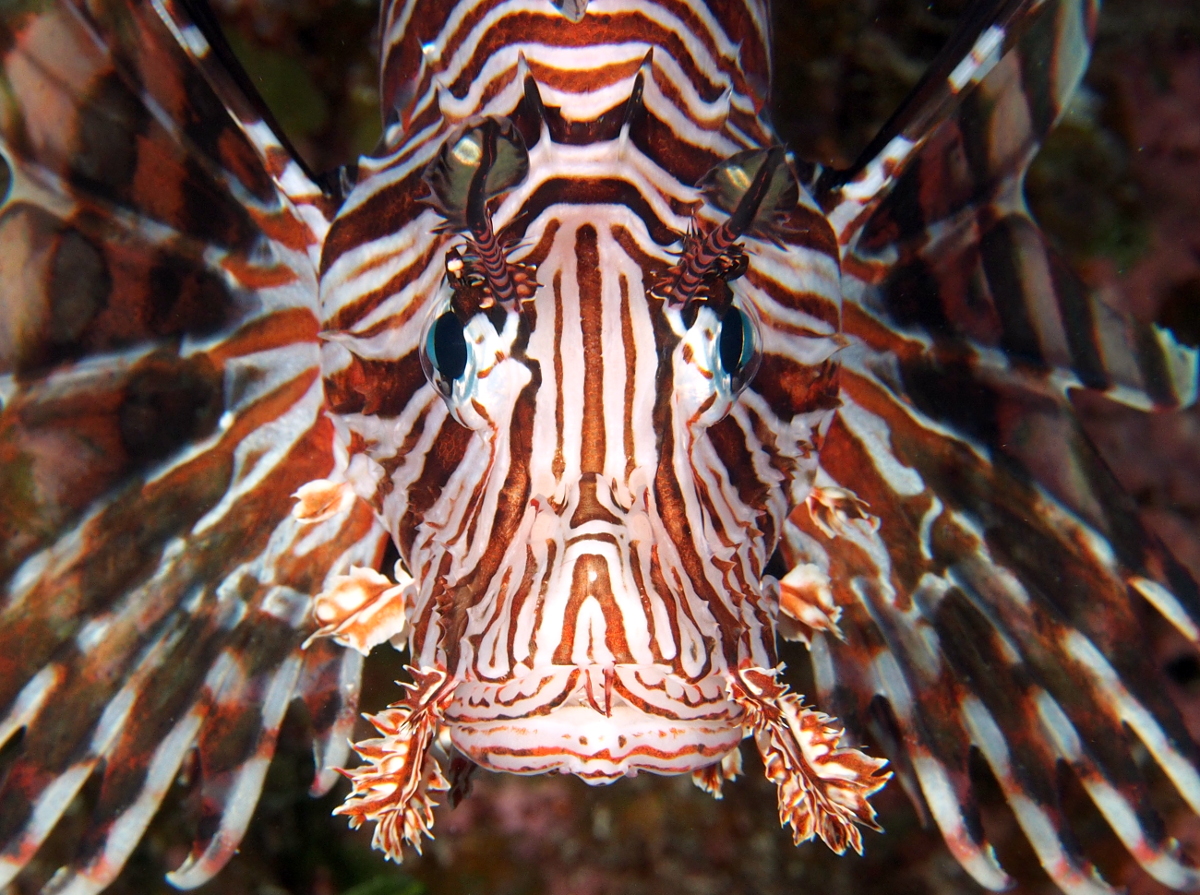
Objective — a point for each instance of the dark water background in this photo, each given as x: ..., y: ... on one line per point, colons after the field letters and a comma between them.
x: 1118, y: 187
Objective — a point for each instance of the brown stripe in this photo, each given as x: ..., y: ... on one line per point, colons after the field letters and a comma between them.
x: 593, y: 31
x: 449, y: 447
x: 591, y: 321
x: 558, y: 465
x: 590, y: 578
x: 589, y: 508
x: 628, y: 341
x: 523, y: 592
x: 637, y: 551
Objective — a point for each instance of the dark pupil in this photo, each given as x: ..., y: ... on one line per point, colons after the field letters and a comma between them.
x: 449, y: 346
x: 733, y: 335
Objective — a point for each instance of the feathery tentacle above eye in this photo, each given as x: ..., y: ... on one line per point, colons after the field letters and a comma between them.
x: 487, y: 160
x: 752, y: 187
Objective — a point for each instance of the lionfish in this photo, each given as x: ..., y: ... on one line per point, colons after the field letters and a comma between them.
x: 628, y: 389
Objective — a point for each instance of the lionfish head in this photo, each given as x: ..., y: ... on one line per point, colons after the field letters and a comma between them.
x: 590, y: 572
x: 589, y: 484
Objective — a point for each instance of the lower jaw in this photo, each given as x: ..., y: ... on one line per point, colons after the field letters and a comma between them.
x: 665, y: 728
x: 598, y: 748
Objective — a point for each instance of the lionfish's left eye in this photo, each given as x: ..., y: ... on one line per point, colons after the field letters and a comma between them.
x: 446, y: 351
x: 736, y: 348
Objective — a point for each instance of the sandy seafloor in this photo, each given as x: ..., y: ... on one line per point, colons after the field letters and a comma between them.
x: 1118, y: 187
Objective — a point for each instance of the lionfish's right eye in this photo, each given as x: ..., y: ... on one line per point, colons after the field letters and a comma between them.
x: 446, y: 352
x: 735, y: 343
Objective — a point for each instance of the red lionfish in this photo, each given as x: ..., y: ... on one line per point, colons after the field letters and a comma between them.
x: 631, y: 390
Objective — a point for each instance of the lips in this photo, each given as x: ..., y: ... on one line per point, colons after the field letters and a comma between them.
x: 597, y: 722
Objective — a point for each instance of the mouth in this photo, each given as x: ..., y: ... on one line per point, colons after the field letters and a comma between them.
x: 599, y: 723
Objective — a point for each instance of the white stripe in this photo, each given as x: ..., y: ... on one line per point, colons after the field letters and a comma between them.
x: 975, y: 66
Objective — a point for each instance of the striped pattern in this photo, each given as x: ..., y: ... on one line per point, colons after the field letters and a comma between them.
x: 588, y: 513
x: 992, y: 607
x: 938, y: 210
x: 701, y: 404
x: 162, y: 401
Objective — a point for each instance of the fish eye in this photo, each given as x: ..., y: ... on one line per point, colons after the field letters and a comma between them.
x: 446, y: 351
x: 736, y: 347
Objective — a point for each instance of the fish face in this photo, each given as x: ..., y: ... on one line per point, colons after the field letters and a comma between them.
x: 591, y: 573
x: 626, y: 379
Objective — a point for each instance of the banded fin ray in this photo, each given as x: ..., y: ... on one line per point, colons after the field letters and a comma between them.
x: 986, y: 614
x: 989, y: 609
x: 161, y: 403
x: 940, y: 242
